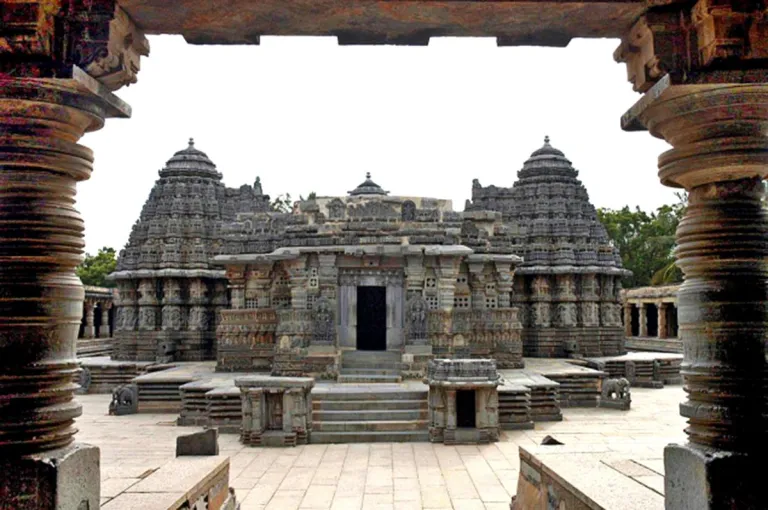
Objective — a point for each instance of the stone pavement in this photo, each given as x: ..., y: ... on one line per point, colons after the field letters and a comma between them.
x: 393, y: 475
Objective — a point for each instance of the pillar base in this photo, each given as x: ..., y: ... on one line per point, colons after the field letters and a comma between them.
x: 700, y: 478
x: 63, y: 479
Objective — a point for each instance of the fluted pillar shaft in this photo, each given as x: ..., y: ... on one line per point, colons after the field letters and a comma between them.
x: 643, y: 315
x: 104, y: 328
x: 661, y: 320
x: 720, y: 154
x: 90, y: 314
x: 41, y: 242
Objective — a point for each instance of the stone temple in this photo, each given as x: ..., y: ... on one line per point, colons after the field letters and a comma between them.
x: 215, y: 273
x: 169, y: 292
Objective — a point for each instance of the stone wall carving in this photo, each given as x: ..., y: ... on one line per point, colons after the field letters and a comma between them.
x: 416, y: 321
x: 324, y: 320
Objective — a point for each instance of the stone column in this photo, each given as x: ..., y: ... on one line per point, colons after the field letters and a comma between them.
x: 628, y: 319
x: 446, y: 281
x: 89, y: 331
x: 415, y: 273
x: 720, y: 155
x: 661, y: 320
x: 477, y: 285
x: 41, y: 298
x: 643, y: 319
x: 104, y: 328
x: 504, y: 283
x: 297, y: 269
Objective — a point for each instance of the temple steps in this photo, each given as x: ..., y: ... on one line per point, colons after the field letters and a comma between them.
x: 369, y: 413
x: 370, y: 367
x: 368, y: 378
x: 370, y: 437
x: 372, y: 405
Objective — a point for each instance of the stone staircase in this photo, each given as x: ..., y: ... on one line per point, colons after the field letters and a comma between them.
x: 370, y: 367
x: 369, y: 413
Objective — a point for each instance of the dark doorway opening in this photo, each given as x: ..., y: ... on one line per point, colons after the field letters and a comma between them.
x: 465, y: 409
x: 635, y: 321
x: 274, y: 402
x: 653, y: 320
x: 372, y: 318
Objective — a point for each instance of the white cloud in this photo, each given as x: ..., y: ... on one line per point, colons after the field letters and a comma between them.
x: 307, y: 115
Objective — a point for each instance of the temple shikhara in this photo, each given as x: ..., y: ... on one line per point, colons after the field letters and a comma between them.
x: 215, y: 273
x: 373, y: 315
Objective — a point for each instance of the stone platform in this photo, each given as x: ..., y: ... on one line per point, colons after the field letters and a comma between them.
x: 642, y: 369
x: 106, y: 374
x: 396, y: 475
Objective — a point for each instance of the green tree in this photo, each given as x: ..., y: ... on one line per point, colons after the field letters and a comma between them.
x: 95, y: 268
x: 646, y: 241
x: 282, y: 203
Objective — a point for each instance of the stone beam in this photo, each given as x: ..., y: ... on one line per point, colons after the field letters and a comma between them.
x: 511, y: 22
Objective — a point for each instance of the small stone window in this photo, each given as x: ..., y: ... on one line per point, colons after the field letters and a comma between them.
x: 490, y: 302
x: 490, y: 287
x: 431, y: 283
x: 283, y: 281
x: 432, y: 302
x: 314, y: 282
x: 311, y: 300
x: 461, y: 302
x: 282, y: 302
x: 462, y: 280
x: 252, y: 303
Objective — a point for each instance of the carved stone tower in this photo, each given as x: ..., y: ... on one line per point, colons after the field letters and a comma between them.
x: 169, y: 293
x: 567, y: 288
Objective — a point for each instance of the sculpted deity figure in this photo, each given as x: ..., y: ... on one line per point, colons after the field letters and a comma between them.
x: 324, y: 322
x: 417, y: 319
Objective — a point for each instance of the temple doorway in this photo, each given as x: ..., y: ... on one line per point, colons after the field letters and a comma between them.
x: 372, y: 318
x: 465, y: 409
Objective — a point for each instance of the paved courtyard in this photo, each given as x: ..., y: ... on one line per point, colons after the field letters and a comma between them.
x: 393, y: 475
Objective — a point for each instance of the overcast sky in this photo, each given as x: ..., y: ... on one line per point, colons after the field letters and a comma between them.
x: 308, y: 115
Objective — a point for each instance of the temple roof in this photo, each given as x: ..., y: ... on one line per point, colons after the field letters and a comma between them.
x: 368, y: 187
x: 190, y: 162
x: 547, y: 216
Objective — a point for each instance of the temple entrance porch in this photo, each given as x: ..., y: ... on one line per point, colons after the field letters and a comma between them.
x: 371, y: 318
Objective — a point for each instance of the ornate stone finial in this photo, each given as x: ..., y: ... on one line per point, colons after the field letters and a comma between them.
x: 367, y: 175
x: 546, y: 139
x: 191, y: 143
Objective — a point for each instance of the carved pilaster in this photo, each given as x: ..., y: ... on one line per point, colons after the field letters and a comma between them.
x: 297, y: 271
x: 628, y: 319
x: 89, y: 331
x: 720, y: 155
x: 328, y: 274
x: 446, y: 282
x: 415, y: 273
x: 477, y: 281
x: 504, y: 282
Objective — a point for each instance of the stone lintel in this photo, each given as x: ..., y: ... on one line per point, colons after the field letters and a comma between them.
x: 167, y: 273
x: 492, y: 257
x: 608, y: 270
x: 265, y: 381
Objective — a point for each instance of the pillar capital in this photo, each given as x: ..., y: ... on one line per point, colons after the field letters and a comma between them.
x: 717, y: 131
x: 57, y: 39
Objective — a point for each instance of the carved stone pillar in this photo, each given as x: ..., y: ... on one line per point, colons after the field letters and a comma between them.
x: 446, y: 282
x: 89, y: 331
x: 504, y: 283
x: 477, y: 282
x: 415, y: 273
x: 643, y: 319
x: 297, y: 269
x: 720, y: 154
x: 328, y: 274
x: 661, y: 319
x: 41, y: 298
x: 628, y: 319
x: 104, y: 328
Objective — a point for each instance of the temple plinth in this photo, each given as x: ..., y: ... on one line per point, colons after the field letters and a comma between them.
x: 41, y: 298
x: 719, y: 156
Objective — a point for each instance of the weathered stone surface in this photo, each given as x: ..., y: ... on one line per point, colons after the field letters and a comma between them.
x: 199, y: 443
x: 125, y: 400
x: 568, y: 288
x: 62, y: 479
